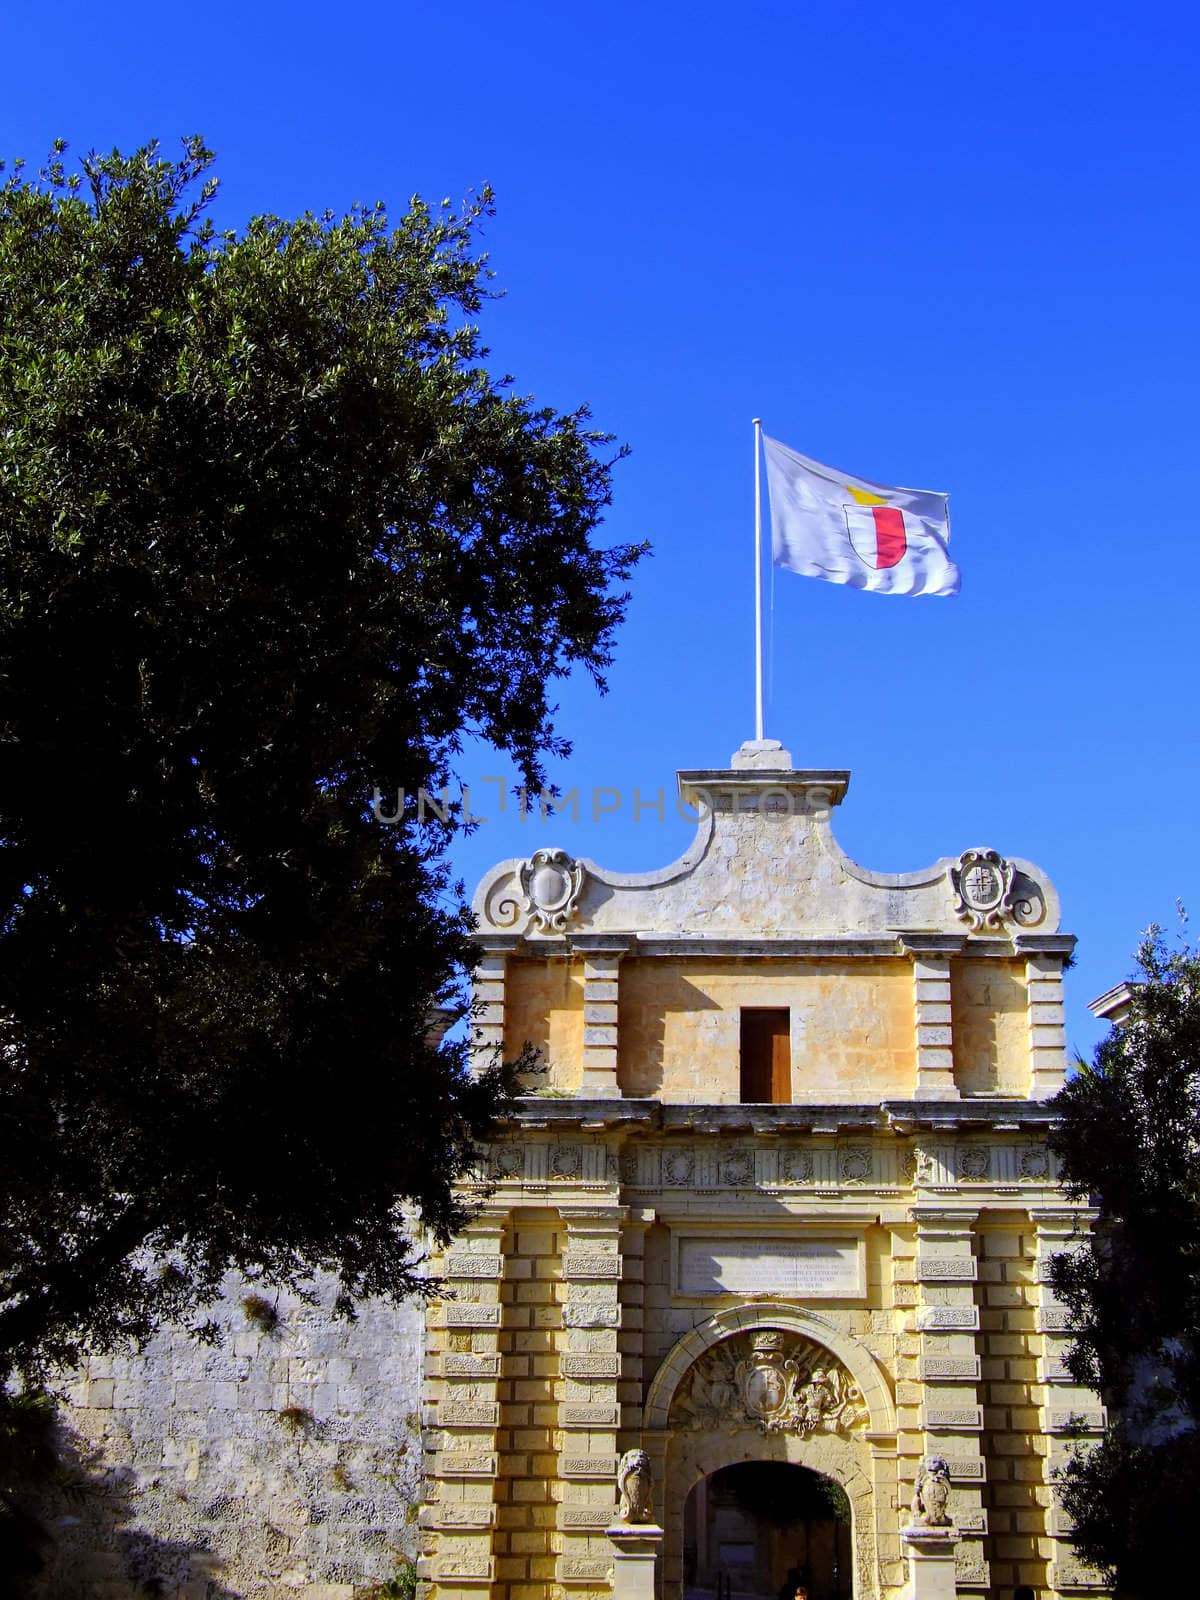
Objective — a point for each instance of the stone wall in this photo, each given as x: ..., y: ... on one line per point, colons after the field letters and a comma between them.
x: 852, y: 1026
x: 546, y: 1010
x: 990, y: 1008
x: 857, y: 1024
x: 284, y: 1462
x: 1017, y: 1492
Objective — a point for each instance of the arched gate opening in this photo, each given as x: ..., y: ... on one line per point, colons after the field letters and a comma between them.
x: 765, y: 1529
x: 780, y: 1386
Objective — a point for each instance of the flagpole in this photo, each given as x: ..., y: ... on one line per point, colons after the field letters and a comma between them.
x: 758, y: 648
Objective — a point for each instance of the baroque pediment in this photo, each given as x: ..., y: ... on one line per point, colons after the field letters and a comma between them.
x: 764, y: 862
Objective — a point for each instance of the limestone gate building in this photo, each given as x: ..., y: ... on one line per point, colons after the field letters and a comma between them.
x: 779, y: 1214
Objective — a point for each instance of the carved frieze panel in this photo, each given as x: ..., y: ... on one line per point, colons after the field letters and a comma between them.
x: 678, y: 1168
x: 591, y: 1264
x: 584, y: 1314
x: 1070, y: 1573
x: 948, y: 1368
x: 970, y: 1520
x: 713, y: 1168
x: 471, y: 1366
x: 856, y: 1163
x: 1033, y: 1164
x: 736, y: 1169
x: 629, y: 1166
x: 459, y: 1514
x: 974, y: 1163
x: 456, y: 1413
x: 964, y: 1418
x: 1087, y: 1419
x: 566, y: 1161
x: 473, y: 1265
x: 585, y: 1415
x: 970, y: 1566
x: 796, y: 1166
x: 946, y: 1269
x: 587, y: 1517
x: 467, y: 1464
x: 588, y: 1466
x: 1053, y: 1319
x: 773, y: 1380
x: 459, y: 1314
x: 590, y: 1366
x: 506, y: 1162
x: 583, y: 1569
x: 964, y: 1318
x: 473, y: 1568
x: 1054, y: 1369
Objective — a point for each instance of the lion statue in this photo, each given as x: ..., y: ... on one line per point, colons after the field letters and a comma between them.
x: 931, y: 1496
x: 635, y: 1483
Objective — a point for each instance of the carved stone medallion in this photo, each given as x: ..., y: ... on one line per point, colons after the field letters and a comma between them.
x: 983, y: 882
x: 551, y: 883
x: 777, y: 1381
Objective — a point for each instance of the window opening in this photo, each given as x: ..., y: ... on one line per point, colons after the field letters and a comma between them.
x: 766, y: 1059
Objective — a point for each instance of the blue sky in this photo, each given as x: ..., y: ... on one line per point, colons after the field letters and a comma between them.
x: 932, y: 244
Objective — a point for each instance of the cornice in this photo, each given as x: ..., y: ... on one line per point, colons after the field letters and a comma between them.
x: 900, y: 1117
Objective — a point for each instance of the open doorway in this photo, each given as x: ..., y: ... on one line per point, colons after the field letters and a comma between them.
x: 764, y: 1529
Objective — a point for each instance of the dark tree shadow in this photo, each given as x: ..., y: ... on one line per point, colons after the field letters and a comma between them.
x: 95, y: 1540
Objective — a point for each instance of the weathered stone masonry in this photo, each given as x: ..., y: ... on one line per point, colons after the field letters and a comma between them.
x: 868, y: 1252
x: 286, y: 1461
x: 850, y: 1277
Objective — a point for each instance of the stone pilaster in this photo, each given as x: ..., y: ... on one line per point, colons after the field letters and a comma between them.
x: 601, y: 970
x: 632, y: 1345
x: 636, y: 1547
x: 930, y: 1553
x: 1047, y: 1020
x: 1067, y: 1406
x: 589, y: 1408
x: 934, y: 1022
x: 526, y: 1536
x: 487, y: 1035
x: 463, y: 1413
x: 951, y: 1412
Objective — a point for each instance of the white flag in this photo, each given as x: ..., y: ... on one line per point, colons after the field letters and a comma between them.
x: 827, y: 524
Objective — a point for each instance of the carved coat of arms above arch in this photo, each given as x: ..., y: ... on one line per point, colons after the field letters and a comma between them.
x: 776, y: 1381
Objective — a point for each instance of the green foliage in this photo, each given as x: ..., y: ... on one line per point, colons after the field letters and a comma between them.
x: 402, y: 1587
x: 271, y: 537
x: 27, y: 1460
x: 1129, y: 1139
x: 296, y: 1419
x: 261, y: 1312
x: 1134, y: 1507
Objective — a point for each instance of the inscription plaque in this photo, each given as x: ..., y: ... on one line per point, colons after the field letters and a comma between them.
x: 821, y: 1268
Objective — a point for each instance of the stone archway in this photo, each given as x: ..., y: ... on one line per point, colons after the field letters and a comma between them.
x: 761, y: 1528
x: 772, y: 1383
x: 855, y: 1357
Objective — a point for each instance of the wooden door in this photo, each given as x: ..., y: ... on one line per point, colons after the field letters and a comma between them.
x: 766, y: 1064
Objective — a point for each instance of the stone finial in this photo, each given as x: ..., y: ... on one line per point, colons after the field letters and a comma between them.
x: 761, y: 755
